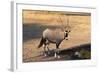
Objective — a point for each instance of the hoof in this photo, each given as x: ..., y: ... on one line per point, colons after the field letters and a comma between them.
x: 48, y: 53
x: 56, y: 56
x: 45, y: 55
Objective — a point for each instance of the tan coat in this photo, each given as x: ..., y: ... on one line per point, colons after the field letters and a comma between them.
x: 54, y: 35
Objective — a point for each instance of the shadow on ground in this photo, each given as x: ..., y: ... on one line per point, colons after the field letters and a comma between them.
x: 80, y: 52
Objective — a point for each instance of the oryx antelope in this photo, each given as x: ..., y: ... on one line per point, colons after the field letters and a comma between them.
x: 55, y: 36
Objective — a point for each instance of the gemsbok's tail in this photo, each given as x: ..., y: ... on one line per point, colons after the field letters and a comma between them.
x: 43, y: 40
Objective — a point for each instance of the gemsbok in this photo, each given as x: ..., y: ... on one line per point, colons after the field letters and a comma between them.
x: 55, y: 36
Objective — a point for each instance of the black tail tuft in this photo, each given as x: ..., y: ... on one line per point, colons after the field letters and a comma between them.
x: 43, y: 40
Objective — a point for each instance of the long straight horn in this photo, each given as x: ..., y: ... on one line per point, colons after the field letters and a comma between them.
x: 68, y: 25
x: 62, y: 23
x: 67, y: 21
x: 61, y: 20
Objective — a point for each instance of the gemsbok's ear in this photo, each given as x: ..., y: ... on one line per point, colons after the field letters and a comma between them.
x: 69, y: 31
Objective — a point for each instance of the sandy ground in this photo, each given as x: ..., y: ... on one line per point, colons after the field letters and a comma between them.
x: 80, y: 34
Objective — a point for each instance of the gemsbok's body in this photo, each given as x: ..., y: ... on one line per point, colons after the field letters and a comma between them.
x: 55, y: 36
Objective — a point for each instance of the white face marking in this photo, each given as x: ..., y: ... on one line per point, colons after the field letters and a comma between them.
x: 66, y: 37
x: 65, y: 32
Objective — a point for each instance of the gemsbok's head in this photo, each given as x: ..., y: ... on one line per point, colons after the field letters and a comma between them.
x: 66, y: 27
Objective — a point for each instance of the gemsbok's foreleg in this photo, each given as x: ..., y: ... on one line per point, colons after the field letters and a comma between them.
x: 56, y: 55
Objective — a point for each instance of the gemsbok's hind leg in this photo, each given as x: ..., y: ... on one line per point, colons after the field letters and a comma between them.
x: 46, y: 49
x: 44, y: 52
